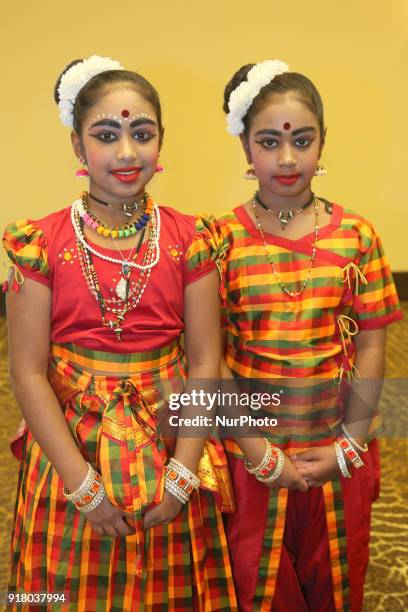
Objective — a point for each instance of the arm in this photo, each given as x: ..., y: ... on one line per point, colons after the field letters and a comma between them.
x: 28, y: 317
x: 320, y: 464
x: 365, y: 392
x: 203, y: 349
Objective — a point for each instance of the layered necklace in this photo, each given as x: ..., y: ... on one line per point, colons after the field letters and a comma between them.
x: 272, y: 263
x: 284, y: 216
x: 124, y: 231
x: 128, y: 296
x: 128, y: 209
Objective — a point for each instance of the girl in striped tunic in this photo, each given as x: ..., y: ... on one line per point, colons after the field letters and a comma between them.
x: 307, y: 295
x: 110, y: 514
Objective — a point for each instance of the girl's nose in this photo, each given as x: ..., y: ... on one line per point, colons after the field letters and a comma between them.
x: 287, y: 156
x: 126, y: 149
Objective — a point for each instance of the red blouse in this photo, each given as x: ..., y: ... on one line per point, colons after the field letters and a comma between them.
x: 45, y: 251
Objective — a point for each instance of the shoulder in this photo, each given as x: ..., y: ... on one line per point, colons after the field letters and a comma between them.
x: 176, y: 224
x: 357, y: 225
x: 42, y: 228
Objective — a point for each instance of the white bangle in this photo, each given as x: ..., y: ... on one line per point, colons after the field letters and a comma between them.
x: 341, y: 461
x: 362, y: 449
x: 95, y: 501
x: 83, y: 487
x: 176, y: 491
x: 184, y: 471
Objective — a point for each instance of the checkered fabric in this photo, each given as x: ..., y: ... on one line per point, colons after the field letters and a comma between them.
x: 114, y: 421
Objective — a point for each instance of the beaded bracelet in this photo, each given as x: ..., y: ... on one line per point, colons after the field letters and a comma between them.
x: 264, y: 462
x: 179, y: 480
x: 362, y: 449
x: 280, y: 464
x: 89, y: 494
x: 349, y: 451
x: 94, y: 503
x: 83, y: 487
x: 341, y: 461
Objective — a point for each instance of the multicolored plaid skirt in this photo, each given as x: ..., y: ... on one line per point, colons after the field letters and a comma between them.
x: 115, y: 422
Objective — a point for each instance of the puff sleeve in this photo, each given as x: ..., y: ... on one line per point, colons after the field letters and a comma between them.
x: 376, y: 304
x: 201, y: 256
x: 26, y: 247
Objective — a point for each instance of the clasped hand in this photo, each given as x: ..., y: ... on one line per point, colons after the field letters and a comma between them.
x: 311, y: 468
x: 109, y: 520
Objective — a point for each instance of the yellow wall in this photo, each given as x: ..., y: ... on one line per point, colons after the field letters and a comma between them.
x: 355, y: 52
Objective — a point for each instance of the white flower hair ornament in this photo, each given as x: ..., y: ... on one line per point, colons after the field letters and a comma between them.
x: 73, y: 80
x: 242, y: 97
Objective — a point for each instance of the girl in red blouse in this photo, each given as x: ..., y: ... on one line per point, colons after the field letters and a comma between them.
x: 110, y: 515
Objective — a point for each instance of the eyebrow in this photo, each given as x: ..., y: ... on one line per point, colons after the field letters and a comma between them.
x: 116, y: 124
x: 296, y: 132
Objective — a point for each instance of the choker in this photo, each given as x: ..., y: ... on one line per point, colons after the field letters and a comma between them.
x: 129, y: 209
x: 284, y: 216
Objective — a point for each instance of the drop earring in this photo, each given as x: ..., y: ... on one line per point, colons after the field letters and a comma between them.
x: 159, y: 169
x: 82, y: 172
x: 250, y: 173
x: 320, y: 170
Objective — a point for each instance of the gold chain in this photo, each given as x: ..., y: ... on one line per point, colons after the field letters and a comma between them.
x: 313, y: 256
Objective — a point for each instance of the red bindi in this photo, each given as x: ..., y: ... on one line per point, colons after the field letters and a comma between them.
x: 125, y: 113
x: 286, y: 125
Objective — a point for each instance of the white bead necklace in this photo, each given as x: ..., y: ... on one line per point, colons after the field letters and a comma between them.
x: 76, y: 207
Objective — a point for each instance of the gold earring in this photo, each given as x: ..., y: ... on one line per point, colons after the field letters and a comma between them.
x: 250, y: 173
x: 320, y: 170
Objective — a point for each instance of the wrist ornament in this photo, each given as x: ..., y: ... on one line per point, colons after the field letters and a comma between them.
x: 89, y: 494
x: 271, y: 466
x: 362, y: 449
x: 179, y: 480
x: 341, y: 461
x: 349, y: 451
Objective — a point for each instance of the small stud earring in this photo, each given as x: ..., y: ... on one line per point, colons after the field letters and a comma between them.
x: 159, y: 169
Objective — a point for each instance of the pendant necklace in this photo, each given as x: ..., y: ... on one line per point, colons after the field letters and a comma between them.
x: 122, y: 288
x: 272, y: 263
x: 284, y: 216
x: 129, y: 208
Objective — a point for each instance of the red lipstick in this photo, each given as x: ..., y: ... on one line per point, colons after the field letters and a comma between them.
x: 126, y: 175
x: 287, y: 179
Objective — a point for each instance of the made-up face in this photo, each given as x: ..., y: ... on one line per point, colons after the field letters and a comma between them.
x: 284, y: 145
x: 120, y: 141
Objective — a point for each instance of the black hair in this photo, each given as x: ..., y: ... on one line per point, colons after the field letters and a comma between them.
x: 281, y: 84
x: 90, y: 92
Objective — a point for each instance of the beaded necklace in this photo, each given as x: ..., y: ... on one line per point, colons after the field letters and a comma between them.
x: 114, y: 309
x: 272, y: 263
x: 129, y: 229
x: 75, y: 220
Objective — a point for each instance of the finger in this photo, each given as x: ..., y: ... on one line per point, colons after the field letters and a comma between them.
x: 307, y: 471
x: 315, y: 483
x: 123, y: 528
x: 302, y: 485
x: 306, y: 455
x: 300, y: 463
x: 99, y: 530
x: 110, y: 531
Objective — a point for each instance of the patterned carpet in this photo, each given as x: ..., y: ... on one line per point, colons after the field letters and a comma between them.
x: 387, y: 580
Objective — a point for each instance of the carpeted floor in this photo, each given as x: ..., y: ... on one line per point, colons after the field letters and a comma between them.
x: 387, y: 580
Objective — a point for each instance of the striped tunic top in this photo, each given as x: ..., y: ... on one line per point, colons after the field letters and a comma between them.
x: 272, y: 335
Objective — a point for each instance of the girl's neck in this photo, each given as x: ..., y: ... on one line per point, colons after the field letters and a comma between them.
x: 276, y: 202
x: 113, y: 215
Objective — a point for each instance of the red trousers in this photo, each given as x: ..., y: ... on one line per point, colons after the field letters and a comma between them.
x: 304, y: 579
